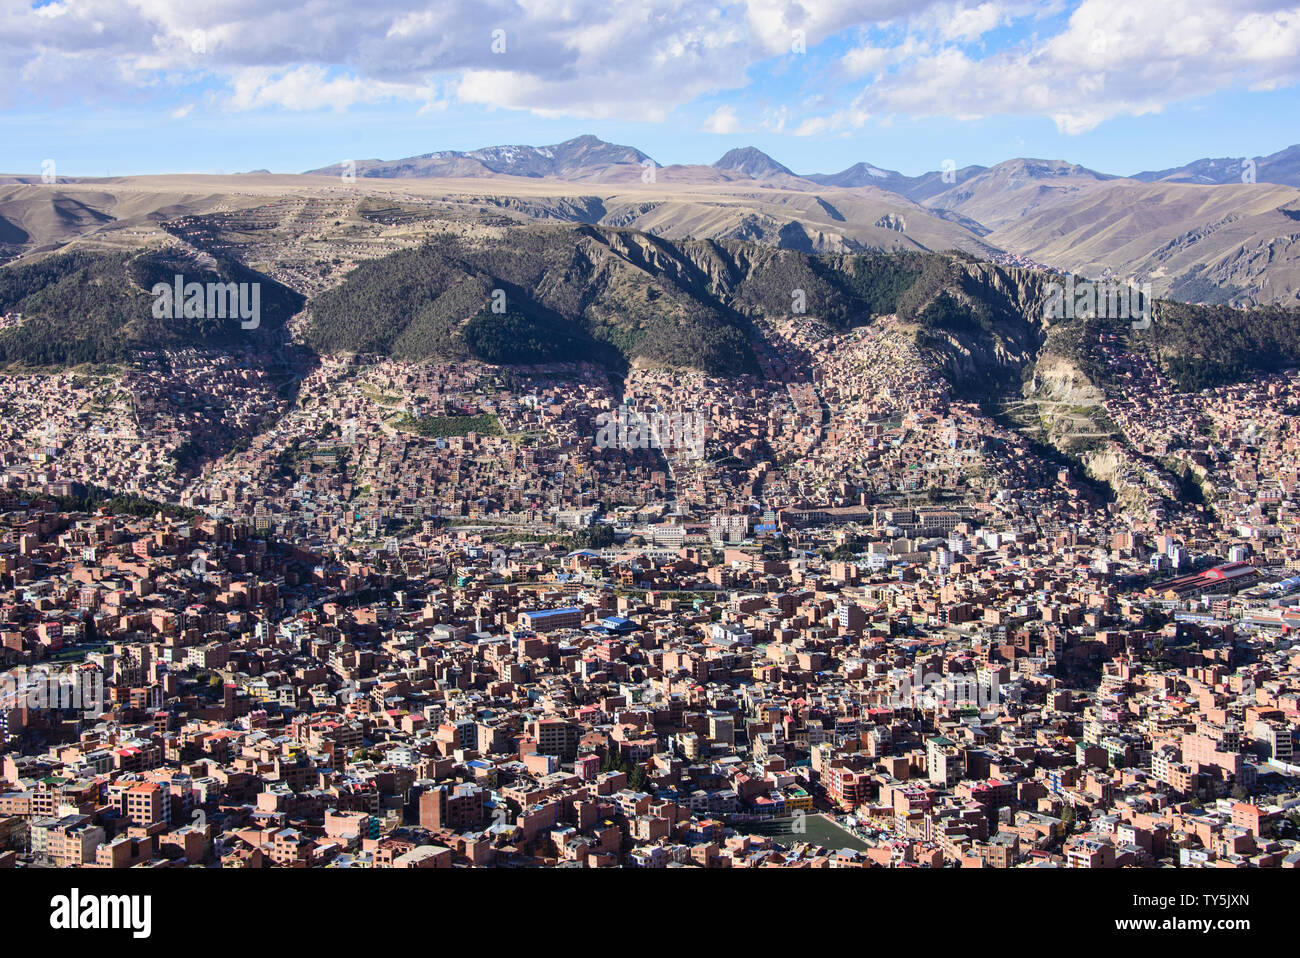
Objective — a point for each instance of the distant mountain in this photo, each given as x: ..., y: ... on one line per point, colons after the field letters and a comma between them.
x: 583, y: 157
x: 917, y: 188
x: 751, y: 162
x: 921, y: 188
x: 1011, y: 189
x: 589, y: 158
x: 1227, y: 169
x: 862, y: 174
x: 1282, y: 167
x: 1219, y: 242
x: 1231, y: 243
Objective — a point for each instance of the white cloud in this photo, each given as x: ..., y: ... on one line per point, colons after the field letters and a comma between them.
x: 581, y: 57
x: 1114, y: 58
x: 723, y: 120
x: 869, y: 59
x: 968, y: 23
x: 772, y: 23
x: 841, y: 121
x: 774, y: 120
x: 590, y: 58
x: 311, y: 88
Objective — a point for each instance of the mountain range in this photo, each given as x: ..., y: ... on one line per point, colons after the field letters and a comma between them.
x: 581, y: 158
x: 587, y: 157
x: 1239, y: 242
x: 519, y: 270
x: 1196, y: 233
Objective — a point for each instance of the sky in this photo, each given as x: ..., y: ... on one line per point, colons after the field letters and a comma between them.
x: 117, y: 87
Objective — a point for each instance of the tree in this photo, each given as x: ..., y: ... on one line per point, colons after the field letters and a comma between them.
x: 1158, y: 648
x: 599, y: 536
x: 845, y: 551
x: 636, y: 779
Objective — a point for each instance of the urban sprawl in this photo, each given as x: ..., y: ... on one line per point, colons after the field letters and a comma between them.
x: 422, y: 615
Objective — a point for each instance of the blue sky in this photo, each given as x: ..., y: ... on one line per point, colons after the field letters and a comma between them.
x: 151, y: 86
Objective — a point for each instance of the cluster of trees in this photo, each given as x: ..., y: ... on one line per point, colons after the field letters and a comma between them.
x: 1204, y: 346
x: 599, y: 536
x: 845, y: 551
x: 636, y: 774
x: 75, y: 308
x: 528, y: 336
x: 881, y: 281
x: 415, y: 293
x: 777, y: 549
x: 276, y: 302
x: 844, y: 291
x: 945, y: 311
x: 485, y: 424
x: 80, y: 307
x: 712, y: 346
x: 92, y: 498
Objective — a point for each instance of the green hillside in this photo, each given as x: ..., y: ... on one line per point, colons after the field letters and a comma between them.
x: 95, y: 307
x: 545, y: 293
x: 1202, y: 346
x: 539, y: 295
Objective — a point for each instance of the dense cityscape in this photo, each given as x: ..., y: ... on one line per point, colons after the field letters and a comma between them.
x: 425, y: 620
